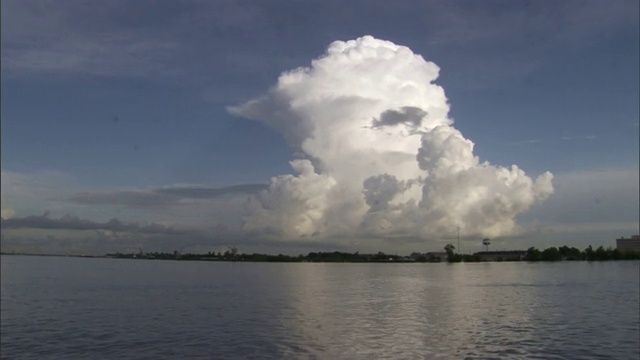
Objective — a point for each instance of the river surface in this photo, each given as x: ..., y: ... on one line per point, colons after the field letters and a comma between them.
x: 67, y: 308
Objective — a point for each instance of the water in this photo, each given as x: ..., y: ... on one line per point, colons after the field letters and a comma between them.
x: 65, y: 308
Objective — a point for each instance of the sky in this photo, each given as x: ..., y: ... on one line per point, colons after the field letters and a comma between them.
x: 296, y: 126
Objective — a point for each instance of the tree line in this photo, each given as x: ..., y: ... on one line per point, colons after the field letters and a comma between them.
x: 563, y: 253
x: 574, y: 254
x: 335, y: 256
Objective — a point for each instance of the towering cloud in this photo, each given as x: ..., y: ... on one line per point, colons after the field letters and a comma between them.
x: 377, y: 153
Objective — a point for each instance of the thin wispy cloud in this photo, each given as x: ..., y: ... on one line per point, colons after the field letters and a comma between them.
x: 563, y: 138
x: 122, y: 38
x: 525, y: 142
x: 126, y: 38
x: 161, y: 196
x: 69, y: 222
x: 579, y: 137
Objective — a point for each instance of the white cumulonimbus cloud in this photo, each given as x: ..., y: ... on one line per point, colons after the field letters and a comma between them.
x: 378, y: 154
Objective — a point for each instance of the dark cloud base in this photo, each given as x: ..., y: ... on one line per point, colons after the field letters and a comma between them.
x: 69, y: 222
x: 161, y: 196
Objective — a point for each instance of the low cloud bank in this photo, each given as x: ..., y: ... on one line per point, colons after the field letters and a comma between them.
x: 69, y: 222
x: 171, y: 195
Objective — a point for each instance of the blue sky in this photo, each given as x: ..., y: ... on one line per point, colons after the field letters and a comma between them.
x: 110, y: 100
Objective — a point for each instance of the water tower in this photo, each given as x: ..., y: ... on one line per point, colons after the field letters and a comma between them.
x: 486, y: 243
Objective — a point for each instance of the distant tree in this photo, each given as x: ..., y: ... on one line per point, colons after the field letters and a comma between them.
x: 533, y: 254
x: 418, y: 257
x: 449, y: 249
x: 551, y: 254
x: 617, y: 255
x: 631, y: 255
x: 380, y: 256
x: 574, y: 254
x: 589, y: 254
x: 602, y: 254
x: 451, y: 254
x: 472, y: 258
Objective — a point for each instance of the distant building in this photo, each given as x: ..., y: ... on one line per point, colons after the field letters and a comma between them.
x: 632, y: 244
x: 511, y: 255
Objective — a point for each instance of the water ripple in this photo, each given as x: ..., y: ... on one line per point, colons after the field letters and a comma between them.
x: 79, y: 308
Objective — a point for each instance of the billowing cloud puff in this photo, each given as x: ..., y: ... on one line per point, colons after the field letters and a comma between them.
x: 378, y: 153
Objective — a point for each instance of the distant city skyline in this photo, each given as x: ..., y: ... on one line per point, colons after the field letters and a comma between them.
x: 188, y: 125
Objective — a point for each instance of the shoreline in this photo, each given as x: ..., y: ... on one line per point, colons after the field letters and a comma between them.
x: 338, y: 257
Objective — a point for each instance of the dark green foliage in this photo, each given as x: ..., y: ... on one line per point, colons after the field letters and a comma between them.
x: 551, y: 254
x: 571, y: 254
x: 602, y: 254
x: 589, y: 254
x: 631, y: 255
x: 417, y: 257
x: 451, y: 255
x: 533, y: 254
x: 472, y: 258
